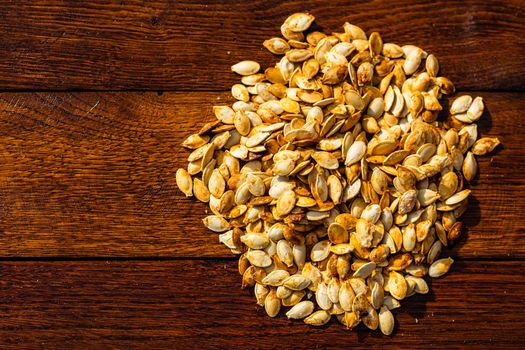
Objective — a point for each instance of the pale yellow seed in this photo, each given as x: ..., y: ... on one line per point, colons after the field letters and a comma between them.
x: 184, y: 182
x: 246, y: 67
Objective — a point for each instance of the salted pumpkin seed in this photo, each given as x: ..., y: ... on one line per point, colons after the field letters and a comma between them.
x: 320, y: 251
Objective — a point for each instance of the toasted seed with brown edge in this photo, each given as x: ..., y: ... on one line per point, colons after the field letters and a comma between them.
x: 485, y: 145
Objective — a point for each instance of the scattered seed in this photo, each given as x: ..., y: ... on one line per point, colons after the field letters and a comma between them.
x: 440, y: 267
x: 246, y: 67
x: 184, y: 182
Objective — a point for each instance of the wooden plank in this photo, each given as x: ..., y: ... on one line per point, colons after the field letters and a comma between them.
x: 190, y: 45
x: 92, y: 174
x: 199, y: 304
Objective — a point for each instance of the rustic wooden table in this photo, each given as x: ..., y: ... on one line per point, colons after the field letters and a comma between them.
x: 100, y: 250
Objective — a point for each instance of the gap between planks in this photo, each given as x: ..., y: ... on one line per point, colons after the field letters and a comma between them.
x: 161, y: 91
x: 204, y: 258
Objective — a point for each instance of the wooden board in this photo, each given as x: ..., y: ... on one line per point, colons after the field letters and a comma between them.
x: 198, y: 304
x: 189, y: 45
x: 99, y: 249
x: 92, y: 174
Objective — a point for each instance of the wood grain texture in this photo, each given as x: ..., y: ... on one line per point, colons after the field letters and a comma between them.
x: 89, y: 175
x: 190, y: 45
x: 198, y: 304
x: 92, y: 174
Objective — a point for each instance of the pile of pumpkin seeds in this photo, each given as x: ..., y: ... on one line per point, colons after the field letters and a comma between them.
x: 335, y: 176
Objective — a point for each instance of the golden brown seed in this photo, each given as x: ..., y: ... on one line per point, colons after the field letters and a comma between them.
x: 455, y: 231
x: 272, y: 304
x: 298, y: 55
x: 201, y: 191
x: 485, y: 145
x: 318, y: 318
x: 375, y: 44
x: 195, y: 141
x: 432, y: 65
x: 397, y: 285
x: 470, y: 167
x: 276, y: 46
x: 299, y: 22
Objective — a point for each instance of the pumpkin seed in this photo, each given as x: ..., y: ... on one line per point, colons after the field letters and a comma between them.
x: 485, y: 145
x: 246, y: 67
x: 440, y: 267
x: 318, y: 318
x: 272, y: 304
x: 386, y: 320
x: 301, y: 310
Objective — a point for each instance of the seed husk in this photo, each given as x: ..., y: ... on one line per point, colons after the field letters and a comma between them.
x: 321, y: 297
x: 365, y: 270
x: 458, y: 197
x: 320, y: 251
x: 391, y: 303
